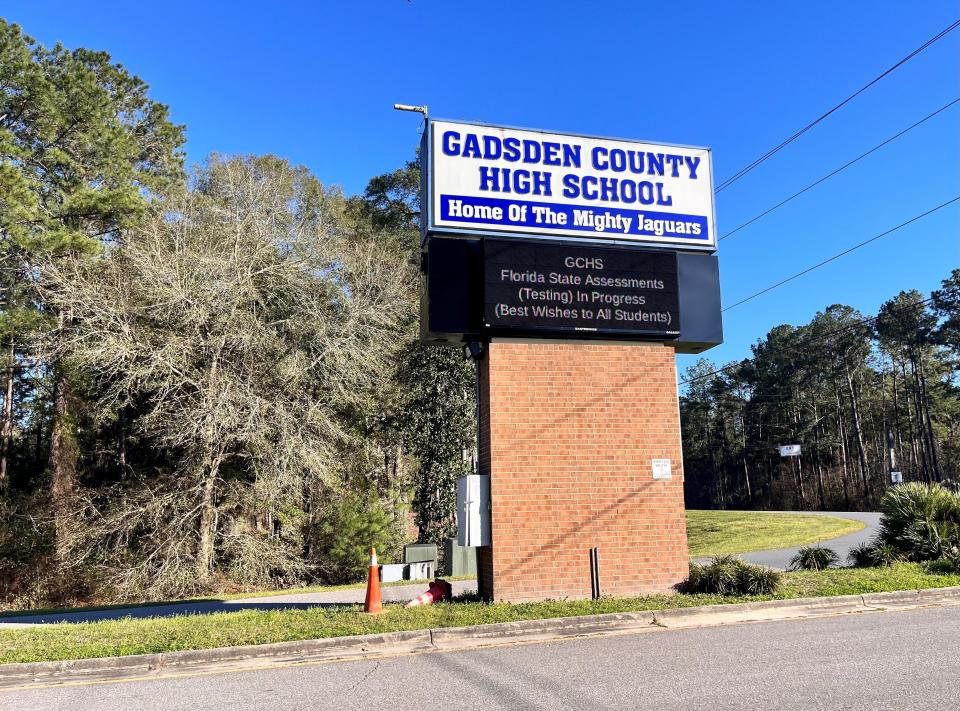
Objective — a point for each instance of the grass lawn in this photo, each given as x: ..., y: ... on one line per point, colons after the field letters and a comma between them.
x: 140, y: 636
x: 711, y: 533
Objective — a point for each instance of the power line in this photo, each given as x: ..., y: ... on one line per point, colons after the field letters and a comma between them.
x: 841, y: 254
x: 841, y: 168
x: 743, y: 171
x: 811, y: 340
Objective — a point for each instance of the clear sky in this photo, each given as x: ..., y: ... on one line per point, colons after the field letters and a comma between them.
x: 315, y: 82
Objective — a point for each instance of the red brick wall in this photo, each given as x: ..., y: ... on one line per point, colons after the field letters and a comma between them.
x: 567, y: 434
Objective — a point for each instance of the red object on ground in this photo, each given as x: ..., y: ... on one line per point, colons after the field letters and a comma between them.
x: 373, y: 605
x: 438, y: 590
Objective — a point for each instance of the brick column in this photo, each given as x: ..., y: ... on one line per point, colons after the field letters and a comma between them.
x: 567, y: 434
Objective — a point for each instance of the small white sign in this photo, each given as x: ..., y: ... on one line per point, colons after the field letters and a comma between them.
x: 662, y: 469
x: 790, y: 450
x: 896, y: 477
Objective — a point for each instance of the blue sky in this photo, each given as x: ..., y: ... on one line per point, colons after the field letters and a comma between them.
x: 315, y: 82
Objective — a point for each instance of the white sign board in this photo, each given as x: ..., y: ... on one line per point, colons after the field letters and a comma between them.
x: 662, y: 469
x: 485, y: 179
x: 896, y: 477
x: 790, y: 450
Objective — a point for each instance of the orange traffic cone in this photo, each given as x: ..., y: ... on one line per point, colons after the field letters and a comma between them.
x: 438, y: 590
x: 373, y: 605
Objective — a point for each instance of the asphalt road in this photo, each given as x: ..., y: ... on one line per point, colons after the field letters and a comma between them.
x: 780, y: 558
x: 891, y: 660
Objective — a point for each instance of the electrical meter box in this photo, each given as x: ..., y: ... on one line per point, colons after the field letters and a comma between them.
x: 473, y: 511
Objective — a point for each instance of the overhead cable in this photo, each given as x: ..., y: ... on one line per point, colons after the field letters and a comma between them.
x: 838, y: 170
x: 769, y: 154
x: 841, y: 254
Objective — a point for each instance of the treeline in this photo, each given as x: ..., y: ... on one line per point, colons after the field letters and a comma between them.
x: 846, y: 388
x: 209, y: 378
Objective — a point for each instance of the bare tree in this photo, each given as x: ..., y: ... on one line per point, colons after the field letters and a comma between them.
x: 241, y: 325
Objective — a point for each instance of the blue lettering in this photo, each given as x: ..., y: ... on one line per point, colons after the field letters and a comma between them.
x: 551, y: 153
x: 608, y: 187
x: 471, y: 146
x: 661, y: 200
x: 675, y: 162
x: 646, y: 191
x: 489, y: 144
x: 489, y: 178
x: 656, y: 163
x: 531, y: 152
x: 589, y: 180
x: 521, y: 181
x: 595, y: 157
x: 571, y: 155
x: 618, y: 160
x: 571, y: 186
x: 692, y: 164
x: 449, y: 146
x: 511, y: 149
x: 541, y: 183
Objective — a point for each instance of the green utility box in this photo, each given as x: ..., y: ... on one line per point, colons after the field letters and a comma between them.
x: 458, y: 560
x: 420, y: 553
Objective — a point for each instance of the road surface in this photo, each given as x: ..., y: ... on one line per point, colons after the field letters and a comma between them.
x: 889, y: 660
x: 780, y: 557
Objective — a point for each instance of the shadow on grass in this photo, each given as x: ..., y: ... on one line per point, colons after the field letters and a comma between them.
x: 203, y: 606
x: 200, y: 607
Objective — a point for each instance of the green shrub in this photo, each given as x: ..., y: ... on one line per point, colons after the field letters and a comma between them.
x: 944, y: 566
x: 859, y: 556
x: 814, y: 558
x: 728, y: 575
x: 921, y: 521
x: 757, y: 580
x: 875, y: 554
x: 884, y: 555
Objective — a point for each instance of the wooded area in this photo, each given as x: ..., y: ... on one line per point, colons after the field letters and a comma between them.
x: 839, y: 386
x: 211, y: 379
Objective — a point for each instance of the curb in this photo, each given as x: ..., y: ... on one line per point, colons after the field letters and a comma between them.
x: 454, y: 638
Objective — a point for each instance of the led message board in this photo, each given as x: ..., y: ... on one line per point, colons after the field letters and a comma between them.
x: 535, y: 286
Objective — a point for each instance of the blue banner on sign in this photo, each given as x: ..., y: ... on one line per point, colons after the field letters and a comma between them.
x: 544, y: 216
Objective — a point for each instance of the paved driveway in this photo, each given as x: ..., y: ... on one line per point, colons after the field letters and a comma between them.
x: 780, y: 558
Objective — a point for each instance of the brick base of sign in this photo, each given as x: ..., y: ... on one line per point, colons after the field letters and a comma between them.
x: 568, y: 435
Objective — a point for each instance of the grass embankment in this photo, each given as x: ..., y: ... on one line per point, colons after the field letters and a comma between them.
x: 141, y: 636
x: 711, y: 533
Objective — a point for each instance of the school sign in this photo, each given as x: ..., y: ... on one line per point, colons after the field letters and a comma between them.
x: 491, y: 179
x: 574, y: 268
